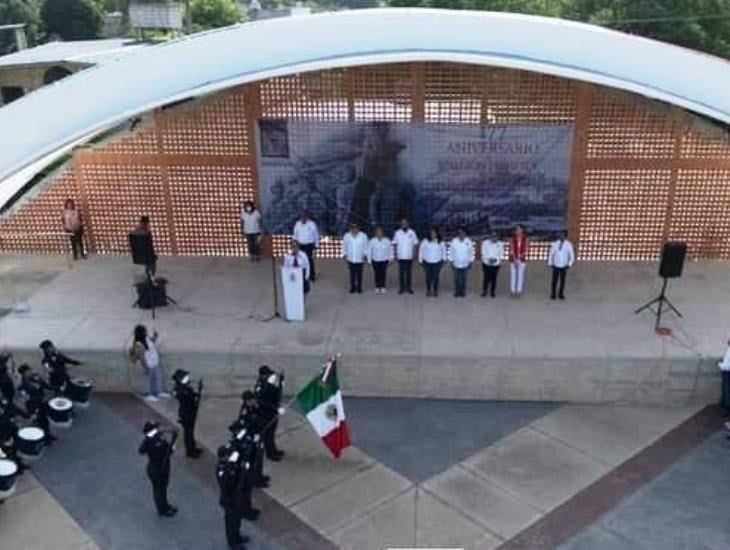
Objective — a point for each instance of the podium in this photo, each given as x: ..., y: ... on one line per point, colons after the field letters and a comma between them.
x: 292, y: 283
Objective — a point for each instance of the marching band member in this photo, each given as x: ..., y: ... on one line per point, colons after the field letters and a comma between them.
x: 158, y: 451
x: 354, y: 251
x: 188, y: 402
x: 492, y: 254
x: 561, y: 258
x: 380, y: 254
x: 34, y: 388
x: 9, y: 429
x: 55, y: 363
x: 518, y: 260
x: 251, y: 419
x: 7, y: 369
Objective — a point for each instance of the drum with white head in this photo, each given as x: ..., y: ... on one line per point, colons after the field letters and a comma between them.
x: 29, y: 442
x: 8, y: 471
x: 59, y: 412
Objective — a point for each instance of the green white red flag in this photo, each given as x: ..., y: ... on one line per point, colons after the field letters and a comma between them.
x: 321, y: 402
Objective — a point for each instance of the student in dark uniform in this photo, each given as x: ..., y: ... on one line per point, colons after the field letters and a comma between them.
x: 9, y: 429
x: 189, y: 400
x: 34, y: 388
x: 55, y: 363
x: 268, y: 391
x: 247, y: 447
x: 7, y: 385
x: 251, y: 419
x: 230, y: 474
x: 158, y: 451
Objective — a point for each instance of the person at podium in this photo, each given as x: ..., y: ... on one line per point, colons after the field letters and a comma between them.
x: 296, y: 258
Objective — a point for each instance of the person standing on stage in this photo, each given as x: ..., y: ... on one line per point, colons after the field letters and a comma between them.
x: 380, y: 254
x: 492, y: 254
x: 143, y: 228
x: 517, y: 260
x: 158, y: 451
x: 405, y: 241
x: 144, y: 353
x: 55, y: 364
x: 355, y: 251
x: 251, y: 229
x: 296, y: 258
x: 73, y: 225
x: 461, y: 254
x: 561, y: 258
x: 432, y: 255
x: 306, y: 234
x: 725, y: 368
x: 189, y: 401
x: 34, y: 388
x: 268, y: 392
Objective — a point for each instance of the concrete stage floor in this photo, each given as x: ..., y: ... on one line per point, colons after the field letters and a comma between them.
x: 590, y: 348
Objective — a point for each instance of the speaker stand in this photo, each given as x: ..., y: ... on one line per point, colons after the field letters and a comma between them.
x: 661, y: 301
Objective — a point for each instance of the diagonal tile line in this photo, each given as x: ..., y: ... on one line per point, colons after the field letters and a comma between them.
x: 458, y: 512
x: 570, y: 446
x: 588, y: 505
x: 329, y: 486
x: 479, y: 475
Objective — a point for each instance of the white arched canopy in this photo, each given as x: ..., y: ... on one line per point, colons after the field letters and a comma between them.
x: 56, y: 116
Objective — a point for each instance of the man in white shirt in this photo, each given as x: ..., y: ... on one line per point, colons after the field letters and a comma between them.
x: 561, y: 258
x: 380, y: 254
x: 492, y: 255
x: 461, y: 254
x: 306, y: 234
x: 725, y: 368
x: 355, y: 250
x: 405, y: 241
x: 296, y: 258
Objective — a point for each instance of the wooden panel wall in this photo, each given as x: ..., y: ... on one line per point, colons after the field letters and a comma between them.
x: 641, y: 172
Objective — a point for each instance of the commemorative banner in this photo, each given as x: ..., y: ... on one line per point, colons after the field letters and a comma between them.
x: 487, y: 177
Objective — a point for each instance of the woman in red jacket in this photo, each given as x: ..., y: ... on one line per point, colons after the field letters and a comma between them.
x: 517, y: 259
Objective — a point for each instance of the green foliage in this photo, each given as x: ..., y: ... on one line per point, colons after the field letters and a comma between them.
x: 210, y: 14
x: 19, y: 11
x: 72, y: 19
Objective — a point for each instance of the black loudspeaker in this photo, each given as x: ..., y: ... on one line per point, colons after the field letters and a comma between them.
x: 152, y: 296
x: 142, y: 248
x: 673, y: 255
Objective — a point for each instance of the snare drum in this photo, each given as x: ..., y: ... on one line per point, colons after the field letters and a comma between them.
x: 59, y: 412
x: 78, y: 390
x: 29, y: 442
x: 8, y: 471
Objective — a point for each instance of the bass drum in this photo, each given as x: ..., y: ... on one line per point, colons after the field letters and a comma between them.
x: 78, y: 390
x: 8, y: 471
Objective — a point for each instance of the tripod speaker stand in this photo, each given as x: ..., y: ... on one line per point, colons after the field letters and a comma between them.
x: 673, y: 255
x: 152, y: 293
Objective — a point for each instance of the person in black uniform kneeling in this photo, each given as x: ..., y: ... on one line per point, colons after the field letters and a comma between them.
x: 189, y: 400
x: 268, y: 391
x: 158, y: 451
x: 55, y: 362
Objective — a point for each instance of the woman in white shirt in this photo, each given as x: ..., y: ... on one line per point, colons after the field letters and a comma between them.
x: 144, y: 353
x: 432, y: 255
x: 251, y: 228
x: 380, y: 254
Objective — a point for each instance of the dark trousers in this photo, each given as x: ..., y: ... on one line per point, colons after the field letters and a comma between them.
x: 380, y: 269
x: 404, y: 275
x: 232, y: 518
x: 150, y: 270
x: 432, y: 276
x: 159, y: 493
x: 270, y: 438
x: 189, y: 437
x: 308, y: 249
x: 355, y: 276
x: 558, y: 278
x: 77, y: 243
x: 7, y: 389
x: 489, y: 284
x: 725, y: 400
x: 252, y: 240
x: 460, y: 276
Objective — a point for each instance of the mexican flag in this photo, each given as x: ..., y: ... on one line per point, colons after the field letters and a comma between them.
x: 321, y: 402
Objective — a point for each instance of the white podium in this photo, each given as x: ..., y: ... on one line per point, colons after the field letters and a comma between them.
x: 292, y: 283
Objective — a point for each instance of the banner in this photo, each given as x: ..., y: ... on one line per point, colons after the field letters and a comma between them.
x: 488, y: 177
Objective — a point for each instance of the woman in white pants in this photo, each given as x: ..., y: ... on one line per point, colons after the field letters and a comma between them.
x: 517, y: 260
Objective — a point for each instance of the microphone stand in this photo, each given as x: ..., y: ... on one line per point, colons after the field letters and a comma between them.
x: 275, y: 289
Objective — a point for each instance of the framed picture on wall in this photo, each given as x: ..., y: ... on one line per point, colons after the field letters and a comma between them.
x: 274, y: 135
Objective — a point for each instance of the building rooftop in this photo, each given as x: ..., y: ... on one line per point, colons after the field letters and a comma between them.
x: 87, y: 52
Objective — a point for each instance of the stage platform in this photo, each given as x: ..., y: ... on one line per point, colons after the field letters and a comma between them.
x: 589, y: 348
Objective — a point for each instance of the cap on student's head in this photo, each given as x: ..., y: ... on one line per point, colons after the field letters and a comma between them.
x: 179, y: 374
x: 45, y: 344
x: 265, y: 370
x: 150, y: 426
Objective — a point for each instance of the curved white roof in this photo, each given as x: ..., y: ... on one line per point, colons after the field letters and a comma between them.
x: 91, y: 100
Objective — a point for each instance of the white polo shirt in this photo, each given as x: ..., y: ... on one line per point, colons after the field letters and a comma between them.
x: 380, y: 250
x: 405, y: 243
x: 461, y: 252
x: 355, y: 247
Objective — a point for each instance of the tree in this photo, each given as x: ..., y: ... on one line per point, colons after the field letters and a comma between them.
x: 19, y: 11
x: 72, y: 19
x: 210, y: 14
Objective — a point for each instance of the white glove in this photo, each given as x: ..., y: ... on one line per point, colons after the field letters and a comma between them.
x: 281, y: 410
